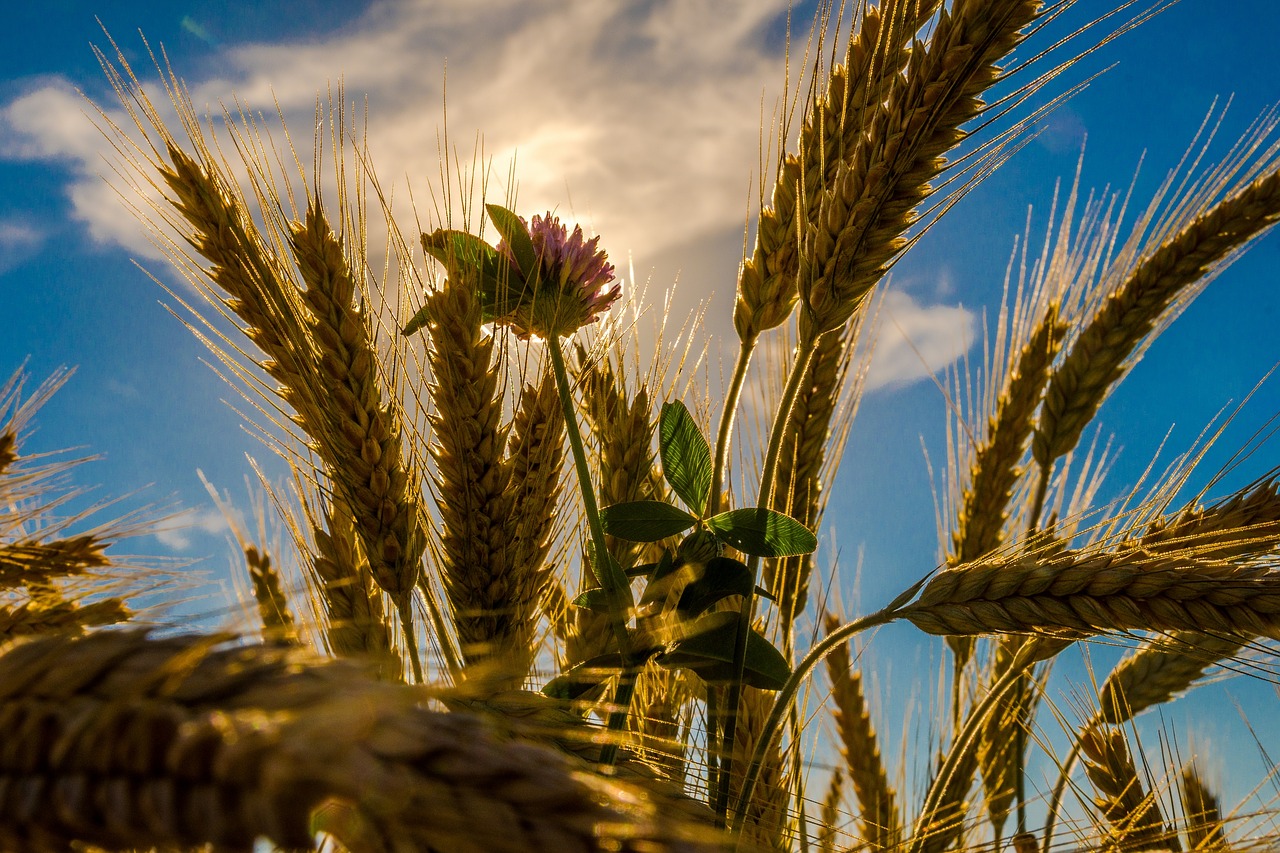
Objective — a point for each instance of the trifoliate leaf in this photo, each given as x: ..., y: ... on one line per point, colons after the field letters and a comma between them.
x: 645, y: 521
x: 686, y: 456
x: 763, y: 533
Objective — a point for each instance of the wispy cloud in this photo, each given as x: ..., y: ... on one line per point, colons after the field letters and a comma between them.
x: 19, y: 241
x: 179, y: 533
x: 913, y: 341
x: 641, y: 121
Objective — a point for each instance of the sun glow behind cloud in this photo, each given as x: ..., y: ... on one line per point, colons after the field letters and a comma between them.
x: 641, y: 122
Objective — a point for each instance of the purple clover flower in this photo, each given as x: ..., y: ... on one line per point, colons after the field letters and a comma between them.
x: 572, y: 286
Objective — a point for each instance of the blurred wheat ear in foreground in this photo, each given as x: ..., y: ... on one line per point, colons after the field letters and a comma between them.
x: 521, y: 602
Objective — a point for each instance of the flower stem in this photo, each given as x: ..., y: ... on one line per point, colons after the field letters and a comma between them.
x: 607, y: 572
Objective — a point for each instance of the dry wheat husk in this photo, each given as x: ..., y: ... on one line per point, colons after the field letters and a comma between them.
x: 123, y: 740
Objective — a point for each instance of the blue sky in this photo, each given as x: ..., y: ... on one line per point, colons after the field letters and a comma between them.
x: 640, y: 120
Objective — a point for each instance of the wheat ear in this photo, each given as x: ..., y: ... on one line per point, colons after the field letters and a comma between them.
x: 1246, y: 524
x: 800, y: 490
x: 536, y: 462
x: 832, y: 129
x: 471, y: 477
x: 766, y: 824
x: 1090, y: 593
x: 1158, y: 671
x: 1202, y: 815
x: 831, y: 810
x: 1134, y: 815
x: 42, y: 618
x: 357, y: 425
x: 122, y: 740
x: 621, y: 425
x: 356, y: 623
x: 1096, y: 360
x: 273, y: 605
x: 867, y: 204
x: 881, y: 825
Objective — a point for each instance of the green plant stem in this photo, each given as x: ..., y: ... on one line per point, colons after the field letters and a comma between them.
x: 411, y: 641
x: 786, y: 696
x: 609, y: 574
x: 1055, y: 800
x: 724, y: 436
x: 965, y: 741
x: 804, y: 356
x: 724, y: 439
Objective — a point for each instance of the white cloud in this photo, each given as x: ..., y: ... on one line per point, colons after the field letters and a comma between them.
x: 177, y: 533
x: 19, y: 240
x: 641, y: 120
x: 914, y: 341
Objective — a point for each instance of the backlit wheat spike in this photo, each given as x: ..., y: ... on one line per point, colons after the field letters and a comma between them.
x: 468, y: 446
x: 832, y: 130
x: 1000, y: 742
x: 356, y: 423
x: 864, y: 209
x: 536, y: 460
x: 1247, y: 524
x: 659, y: 721
x: 1088, y: 593
x: 800, y: 490
x: 997, y: 462
x: 1159, y: 670
x: 1096, y: 360
x: 1203, y: 818
x: 273, y: 605
x: 1134, y: 814
x: 356, y: 624
x: 831, y: 813
x: 877, y: 800
x: 40, y: 618
x: 767, y: 824
x: 25, y: 562
x: 622, y: 425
